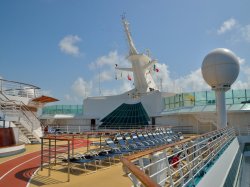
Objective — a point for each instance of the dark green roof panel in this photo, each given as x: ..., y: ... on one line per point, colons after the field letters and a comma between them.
x: 126, y: 116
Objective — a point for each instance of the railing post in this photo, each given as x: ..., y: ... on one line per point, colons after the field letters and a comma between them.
x: 49, y: 156
x: 1, y: 86
x: 42, y: 154
x: 69, y: 160
x: 190, y: 169
x: 169, y: 169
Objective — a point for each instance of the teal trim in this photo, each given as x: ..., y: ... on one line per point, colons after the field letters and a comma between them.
x: 204, y: 98
x: 63, y: 109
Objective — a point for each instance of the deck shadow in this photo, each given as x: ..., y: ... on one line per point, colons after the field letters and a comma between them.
x: 37, y: 179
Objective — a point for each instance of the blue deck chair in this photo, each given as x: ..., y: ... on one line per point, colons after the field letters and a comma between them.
x: 142, y: 139
x: 99, y: 156
x: 133, y: 144
x: 167, y: 138
x: 153, y: 141
x: 157, y: 140
x: 115, y: 148
x: 82, y: 160
x: 130, y: 145
x: 140, y: 142
x: 159, y: 137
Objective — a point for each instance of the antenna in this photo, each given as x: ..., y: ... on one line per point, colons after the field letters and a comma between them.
x: 99, y: 82
x: 161, y: 84
x: 148, y: 52
x: 132, y: 49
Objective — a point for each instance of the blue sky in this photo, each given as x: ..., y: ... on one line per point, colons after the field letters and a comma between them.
x: 64, y: 46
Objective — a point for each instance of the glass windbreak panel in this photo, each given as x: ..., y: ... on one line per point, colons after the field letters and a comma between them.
x: 246, y: 107
x: 166, y: 101
x: 171, y: 102
x: 198, y: 108
x: 188, y: 99
x: 66, y: 109
x: 235, y: 107
x: 209, y: 108
x: 177, y: 100
x: 211, y: 98
x: 229, y: 97
x: 248, y: 95
x: 200, y: 98
x: 239, y: 96
x: 63, y: 109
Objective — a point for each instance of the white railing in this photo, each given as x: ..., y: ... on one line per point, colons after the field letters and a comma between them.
x: 71, y: 128
x: 243, y: 131
x: 19, y: 89
x: 68, y: 128
x: 181, y: 163
x: 23, y: 114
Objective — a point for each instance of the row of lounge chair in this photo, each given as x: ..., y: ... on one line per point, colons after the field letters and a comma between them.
x: 143, y: 140
x: 124, y: 144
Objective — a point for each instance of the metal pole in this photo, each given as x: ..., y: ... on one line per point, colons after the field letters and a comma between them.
x: 100, y: 141
x: 49, y: 154
x: 221, y: 108
x: 68, y: 161
x: 55, y: 152
x: 72, y: 145
x: 87, y: 142
x: 41, y: 154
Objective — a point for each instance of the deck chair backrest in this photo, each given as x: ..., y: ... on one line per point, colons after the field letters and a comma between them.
x: 111, y: 143
x: 134, y: 136
x: 119, y: 138
x: 145, y: 136
x: 140, y: 136
x: 154, y: 134
x: 121, y: 141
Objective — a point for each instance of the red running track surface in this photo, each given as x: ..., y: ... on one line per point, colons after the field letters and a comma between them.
x: 18, y: 171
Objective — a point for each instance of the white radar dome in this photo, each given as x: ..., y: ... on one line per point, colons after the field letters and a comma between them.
x: 220, y: 68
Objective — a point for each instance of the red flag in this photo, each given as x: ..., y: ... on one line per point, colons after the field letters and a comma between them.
x: 129, y: 78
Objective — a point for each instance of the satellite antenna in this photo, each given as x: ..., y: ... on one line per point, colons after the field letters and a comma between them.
x: 220, y: 68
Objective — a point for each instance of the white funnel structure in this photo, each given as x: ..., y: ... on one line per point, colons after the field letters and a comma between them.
x: 220, y: 68
x: 141, y: 65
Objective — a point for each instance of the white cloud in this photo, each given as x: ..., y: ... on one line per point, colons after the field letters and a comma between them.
x: 245, y: 31
x: 108, y: 86
x: 190, y: 82
x: 109, y: 61
x: 241, y: 60
x: 71, y: 98
x: 68, y: 45
x: 241, y: 32
x: 227, y: 26
x: 82, y: 88
x: 104, y: 67
x: 125, y: 86
x: 106, y: 76
x: 244, y: 74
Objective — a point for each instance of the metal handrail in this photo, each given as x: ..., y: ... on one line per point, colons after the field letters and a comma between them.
x: 23, y: 106
x: 18, y: 89
x: 71, y: 128
x: 20, y: 108
x: 193, y: 156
